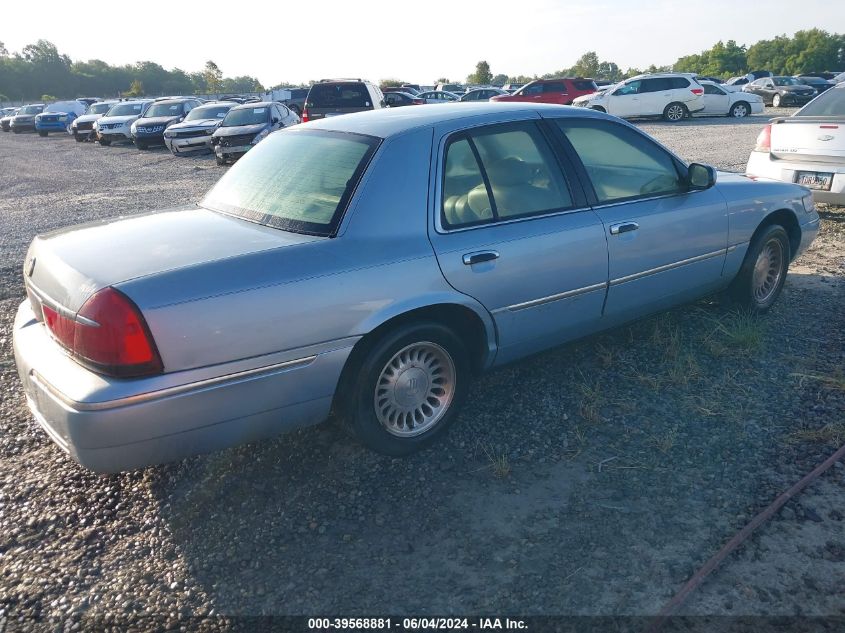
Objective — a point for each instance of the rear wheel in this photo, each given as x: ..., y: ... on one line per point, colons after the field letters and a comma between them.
x: 763, y: 272
x: 740, y: 110
x: 675, y: 112
x: 408, y: 389
x: 776, y: 101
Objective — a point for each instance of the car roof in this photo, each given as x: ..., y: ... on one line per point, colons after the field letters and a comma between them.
x: 387, y: 122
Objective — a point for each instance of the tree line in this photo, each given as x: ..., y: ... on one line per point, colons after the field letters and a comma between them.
x: 814, y: 50
x: 39, y: 70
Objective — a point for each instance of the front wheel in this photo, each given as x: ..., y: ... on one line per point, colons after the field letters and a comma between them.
x: 42, y: 133
x: 78, y: 138
x: 105, y: 141
x: 408, y: 389
x: 220, y: 160
x: 675, y: 112
x: 142, y: 145
x: 776, y: 101
x: 740, y: 110
x: 763, y: 272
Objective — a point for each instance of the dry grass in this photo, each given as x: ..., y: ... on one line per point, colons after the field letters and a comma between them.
x: 828, y: 434
x: 498, y: 463
x: 741, y: 330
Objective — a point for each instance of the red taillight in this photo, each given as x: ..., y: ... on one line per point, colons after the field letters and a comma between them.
x: 109, y: 334
x: 305, y: 115
x: 419, y: 101
x: 697, y: 91
x: 764, y: 140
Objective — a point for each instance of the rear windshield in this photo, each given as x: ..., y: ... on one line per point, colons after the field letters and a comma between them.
x: 828, y: 103
x: 164, y: 109
x: 351, y: 95
x: 297, y: 180
x: 208, y: 112
x: 126, y: 109
x: 247, y: 116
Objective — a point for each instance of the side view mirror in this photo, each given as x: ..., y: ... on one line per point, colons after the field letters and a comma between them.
x: 275, y: 121
x: 700, y: 177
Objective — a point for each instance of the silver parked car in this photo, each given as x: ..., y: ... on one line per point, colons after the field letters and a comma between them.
x: 194, y: 133
x: 371, y: 265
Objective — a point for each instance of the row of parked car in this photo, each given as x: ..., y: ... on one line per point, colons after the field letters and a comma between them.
x: 184, y: 124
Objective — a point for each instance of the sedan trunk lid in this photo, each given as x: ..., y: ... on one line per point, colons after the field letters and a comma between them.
x: 802, y: 138
x: 67, y: 266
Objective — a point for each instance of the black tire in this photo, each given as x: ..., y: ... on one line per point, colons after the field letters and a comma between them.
x: 16, y: 131
x: 675, y: 112
x: 78, y: 138
x: 776, y: 100
x: 740, y: 110
x: 220, y: 160
x: 598, y: 108
x: 745, y: 288
x: 142, y: 145
x: 42, y: 133
x: 295, y: 108
x: 105, y: 141
x: 359, y: 409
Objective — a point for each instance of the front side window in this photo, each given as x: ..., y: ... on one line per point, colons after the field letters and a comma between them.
x: 630, y: 88
x: 556, y: 86
x: 500, y: 173
x: 531, y: 90
x: 621, y: 162
x: 298, y: 180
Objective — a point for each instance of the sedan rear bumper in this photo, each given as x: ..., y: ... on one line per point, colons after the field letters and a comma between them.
x: 114, y: 429
x: 764, y: 165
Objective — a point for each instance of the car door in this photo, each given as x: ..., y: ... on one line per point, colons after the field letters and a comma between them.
x: 532, y: 92
x: 555, y: 92
x: 625, y: 100
x: 716, y: 100
x: 666, y: 243
x: 654, y: 95
x: 511, y: 229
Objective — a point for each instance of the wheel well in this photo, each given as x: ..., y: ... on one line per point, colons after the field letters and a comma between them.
x: 787, y: 220
x: 466, y: 324
x: 598, y: 108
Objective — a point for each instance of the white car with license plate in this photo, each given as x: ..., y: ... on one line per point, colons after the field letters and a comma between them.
x: 673, y: 96
x: 807, y: 148
x: 722, y: 101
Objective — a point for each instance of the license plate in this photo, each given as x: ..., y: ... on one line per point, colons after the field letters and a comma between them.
x: 814, y: 180
x: 328, y: 114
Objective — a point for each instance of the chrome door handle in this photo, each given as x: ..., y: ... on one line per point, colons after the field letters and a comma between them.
x: 623, y: 227
x: 480, y: 257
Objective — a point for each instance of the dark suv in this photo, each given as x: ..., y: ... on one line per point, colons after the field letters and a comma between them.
x: 562, y: 90
x: 331, y: 97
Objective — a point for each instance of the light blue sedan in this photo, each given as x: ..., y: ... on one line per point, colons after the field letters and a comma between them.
x: 371, y: 265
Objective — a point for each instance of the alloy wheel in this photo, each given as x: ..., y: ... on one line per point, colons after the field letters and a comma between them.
x: 414, y: 389
x: 768, y: 270
x: 675, y: 112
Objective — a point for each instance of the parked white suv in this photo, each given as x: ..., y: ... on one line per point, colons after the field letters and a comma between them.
x: 674, y: 96
x: 115, y: 125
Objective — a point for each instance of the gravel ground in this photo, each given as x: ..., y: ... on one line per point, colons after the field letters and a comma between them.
x: 590, y: 480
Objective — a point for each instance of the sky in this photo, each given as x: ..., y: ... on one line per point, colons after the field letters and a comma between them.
x: 418, y: 42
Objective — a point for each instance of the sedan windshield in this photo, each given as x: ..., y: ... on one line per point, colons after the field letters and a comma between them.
x: 164, y: 109
x: 787, y: 81
x: 126, y: 109
x: 98, y: 108
x: 828, y: 103
x: 31, y: 109
x: 298, y: 180
x: 208, y: 112
x: 247, y: 116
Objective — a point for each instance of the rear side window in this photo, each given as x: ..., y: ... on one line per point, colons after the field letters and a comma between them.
x: 678, y: 82
x: 828, y: 103
x: 554, y: 86
x: 621, y: 163
x: 500, y: 173
x: 339, y: 95
x: 299, y: 180
x: 583, y: 84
